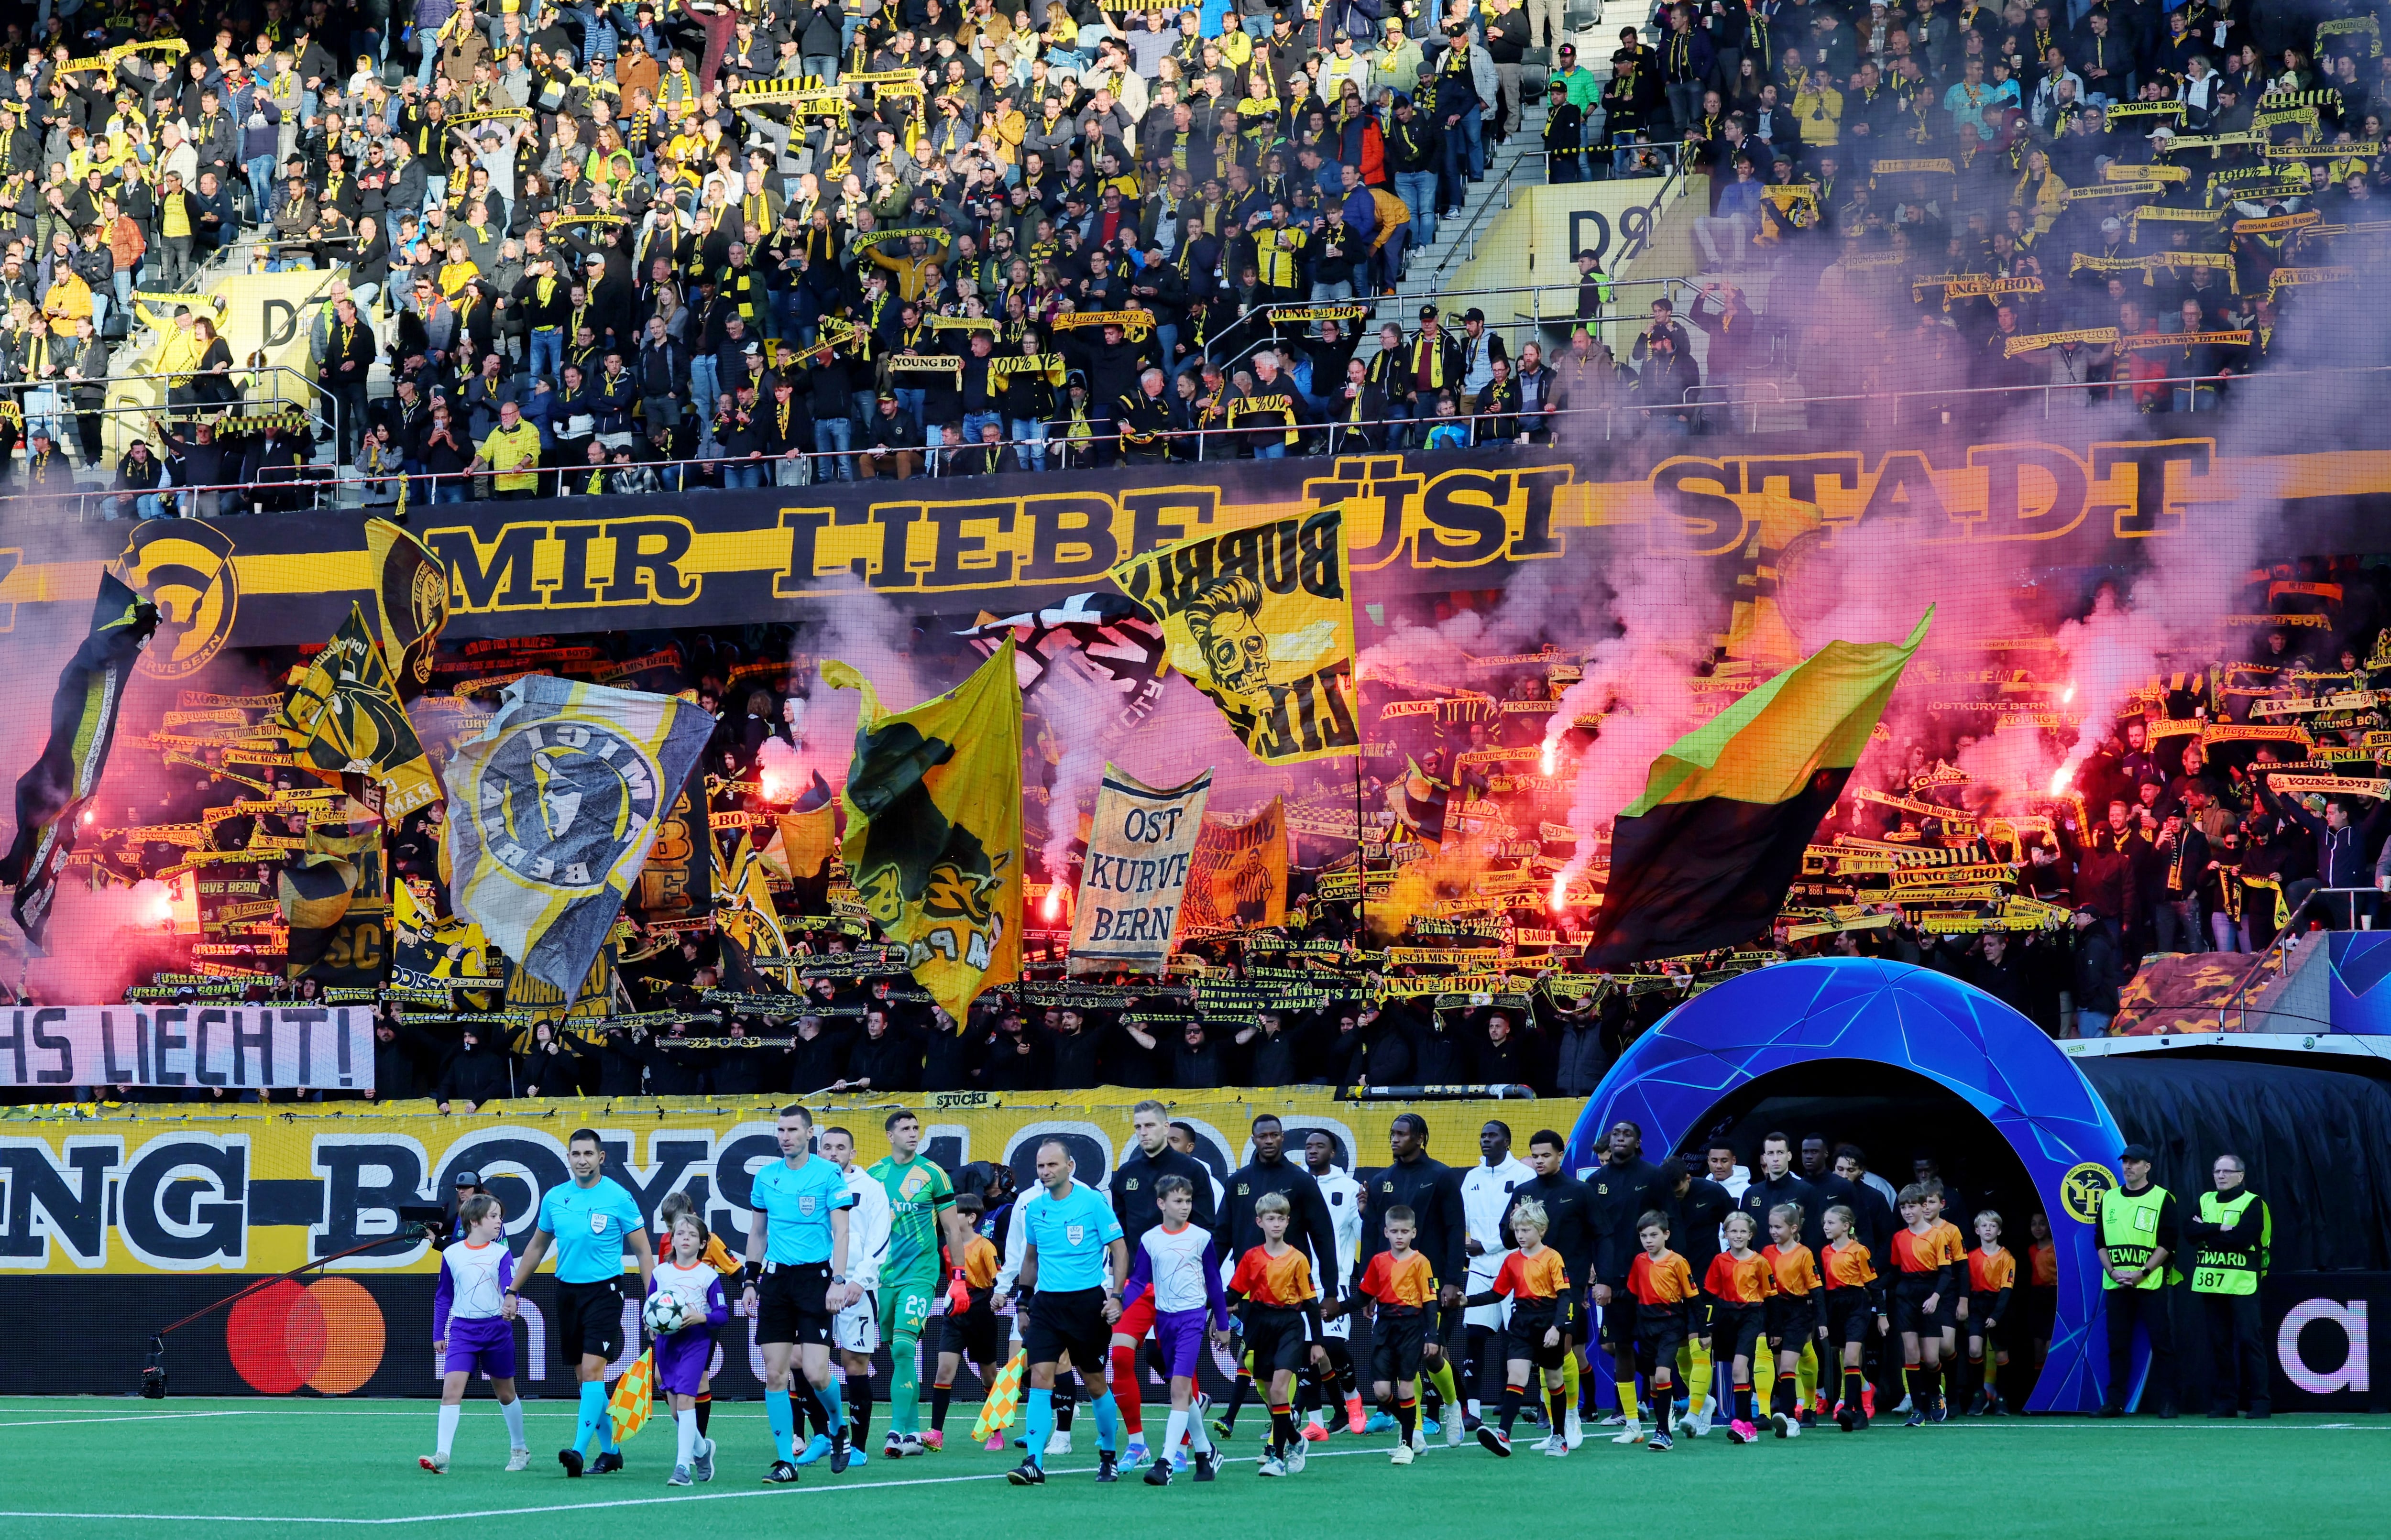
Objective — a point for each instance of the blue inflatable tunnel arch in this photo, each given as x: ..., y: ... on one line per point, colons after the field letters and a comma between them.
x: 1911, y: 1019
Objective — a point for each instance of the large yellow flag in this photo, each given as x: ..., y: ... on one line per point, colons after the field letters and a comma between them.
x: 343, y: 718
x: 934, y: 828
x: 1261, y: 620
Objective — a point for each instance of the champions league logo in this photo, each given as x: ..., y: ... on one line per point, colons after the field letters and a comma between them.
x: 559, y: 802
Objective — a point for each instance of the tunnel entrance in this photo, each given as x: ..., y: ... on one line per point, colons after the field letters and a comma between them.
x: 1897, y: 1117
x: 1895, y: 1059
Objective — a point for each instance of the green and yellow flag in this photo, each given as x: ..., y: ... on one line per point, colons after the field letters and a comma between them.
x: 1261, y: 621
x: 934, y: 828
x: 1704, y: 857
x: 343, y: 718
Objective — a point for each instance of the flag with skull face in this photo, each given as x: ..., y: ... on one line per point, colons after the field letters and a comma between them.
x: 1261, y: 620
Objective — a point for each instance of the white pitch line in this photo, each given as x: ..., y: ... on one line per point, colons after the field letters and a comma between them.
x: 136, y: 1416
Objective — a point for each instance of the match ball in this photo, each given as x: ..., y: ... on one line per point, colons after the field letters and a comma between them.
x: 664, y: 1312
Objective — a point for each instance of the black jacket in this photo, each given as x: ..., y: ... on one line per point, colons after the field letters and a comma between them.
x: 1568, y: 1212
x: 1622, y: 1194
x: 476, y: 1075
x: 1432, y: 1191
x: 1764, y: 1194
x: 1310, y: 1228
x: 1132, y: 1189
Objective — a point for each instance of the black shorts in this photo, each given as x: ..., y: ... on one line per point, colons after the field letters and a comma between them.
x: 1981, y: 1306
x: 1792, y: 1323
x: 1907, y: 1301
x: 1397, y: 1342
x: 1067, y: 1320
x: 1849, y: 1319
x: 1660, y: 1333
x: 792, y: 1304
x: 589, y: 1319
x: 1736, y: 1329
x: 1278, y: 1339
x: 1524, y: 1337
x: 977, y: 1334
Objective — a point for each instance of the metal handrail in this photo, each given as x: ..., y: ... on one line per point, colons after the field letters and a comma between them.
x: 1548, y: 418
x: 250, y: 372
x: 2282, y: 942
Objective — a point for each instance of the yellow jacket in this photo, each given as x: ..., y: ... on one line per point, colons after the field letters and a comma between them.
x: 1818, y: 109
x: 68, y: 302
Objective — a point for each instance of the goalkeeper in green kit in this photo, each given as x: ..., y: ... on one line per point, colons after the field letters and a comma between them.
x: 920, y: 1201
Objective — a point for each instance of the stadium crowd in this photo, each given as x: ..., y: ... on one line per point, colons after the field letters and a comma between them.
x: 593, y: 245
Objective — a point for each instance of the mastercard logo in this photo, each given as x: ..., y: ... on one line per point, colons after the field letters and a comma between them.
x: 327, y: 1336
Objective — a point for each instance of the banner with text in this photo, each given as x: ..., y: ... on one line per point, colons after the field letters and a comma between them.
x: 192, y: 1047
x: 1139, y: 846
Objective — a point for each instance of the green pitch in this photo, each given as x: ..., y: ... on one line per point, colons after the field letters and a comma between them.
x: 91, y: 1469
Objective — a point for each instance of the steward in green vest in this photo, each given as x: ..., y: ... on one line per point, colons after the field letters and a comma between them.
x: 2230, y: 1238
x: 2138, y: 1241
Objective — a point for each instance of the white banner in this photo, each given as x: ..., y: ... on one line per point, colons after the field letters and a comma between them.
x: 237, y: 1047
x: 1136, y: 871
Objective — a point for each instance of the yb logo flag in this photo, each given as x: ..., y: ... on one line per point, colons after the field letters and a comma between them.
x: 82, y: 727
x: 344, y: 717
x: 1261, y: 620
x: 552, y: 811
x: 934, y: 828
x: 411, y: 589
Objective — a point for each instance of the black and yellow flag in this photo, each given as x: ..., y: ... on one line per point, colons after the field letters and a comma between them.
x: 331, y: 898
x: 1261, y: 620
x: 83, y: 728
x: 343, y: 718
x: 1703, y: 858
x: 748, y: 921
x: 801, y: 842
x: 934, y: 828
x: 411, y: 593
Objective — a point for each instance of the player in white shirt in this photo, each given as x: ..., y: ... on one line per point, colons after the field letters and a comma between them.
x: 469, y: 1329
x: 854, y: 1330
x: 1343, y: 1195
x: 1485, y: 1195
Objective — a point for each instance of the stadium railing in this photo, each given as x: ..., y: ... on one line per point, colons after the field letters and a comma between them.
x: 1697, y: 412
